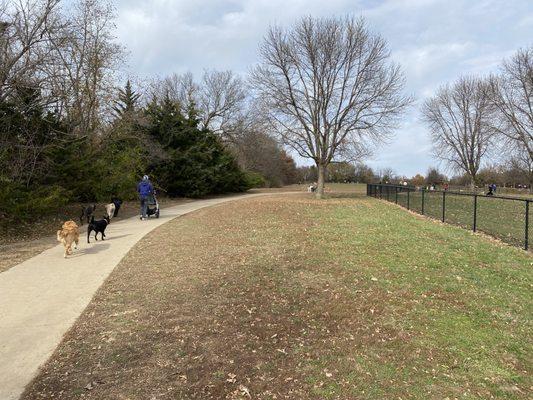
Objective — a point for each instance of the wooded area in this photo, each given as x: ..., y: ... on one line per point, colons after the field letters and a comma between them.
x: 74, y: 131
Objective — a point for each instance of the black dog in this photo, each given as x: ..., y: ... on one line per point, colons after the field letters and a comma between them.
x: 87, y: 212
x: 117, y: 202
x: 98, y: 227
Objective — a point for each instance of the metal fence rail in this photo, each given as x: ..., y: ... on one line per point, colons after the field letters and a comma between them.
x: 506, y: 218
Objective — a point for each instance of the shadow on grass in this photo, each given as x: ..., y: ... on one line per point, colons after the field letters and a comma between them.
x: 344, y: 195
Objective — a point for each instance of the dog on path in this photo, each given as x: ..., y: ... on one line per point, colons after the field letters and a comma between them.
x: 117, y: 202
x: 87, y: 213
x: 113, y: 207
x: 98, y: 227
x: 68, y: 234
x: 110, y: 210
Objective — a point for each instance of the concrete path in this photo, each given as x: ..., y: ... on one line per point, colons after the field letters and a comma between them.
x: 42, y: 297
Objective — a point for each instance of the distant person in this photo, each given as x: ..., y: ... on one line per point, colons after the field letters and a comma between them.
x: 493, y: 188
x: 145, y: 189
x: 491, y: 191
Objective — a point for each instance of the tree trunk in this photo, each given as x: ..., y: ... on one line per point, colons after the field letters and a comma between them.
x: 472, y: 183
x: 321, y: 179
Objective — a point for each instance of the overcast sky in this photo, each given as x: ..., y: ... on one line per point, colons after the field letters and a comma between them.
x: 435, y: 41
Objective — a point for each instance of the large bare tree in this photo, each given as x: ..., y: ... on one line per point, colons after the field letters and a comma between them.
x: 328, y: 88
x: 459, y: 119
x: 512, y: 96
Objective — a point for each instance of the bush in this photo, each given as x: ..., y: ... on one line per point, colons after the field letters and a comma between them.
x: 254, y: 179
x: 21, y: 203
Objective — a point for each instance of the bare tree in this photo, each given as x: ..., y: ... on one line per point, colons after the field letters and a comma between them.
x: 387, y: 175
x: 87, y: 60
x: 459, y: 118
x: 181, y: 88
x: 221, y: 99
x: 512, y: 96
x: 25, y: 31
x: 25, y: 28
x: 520, y: 161
x: 328, y: 88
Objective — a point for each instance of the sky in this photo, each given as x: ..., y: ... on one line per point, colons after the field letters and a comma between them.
x: 434, y: 41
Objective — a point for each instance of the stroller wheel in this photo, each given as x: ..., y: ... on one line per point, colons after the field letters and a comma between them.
x: 157, y: 214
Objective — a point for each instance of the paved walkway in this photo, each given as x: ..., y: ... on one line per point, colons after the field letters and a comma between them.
x: 42, y: 297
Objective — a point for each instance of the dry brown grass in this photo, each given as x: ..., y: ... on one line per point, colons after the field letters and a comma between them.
x: 230, y: 303
x: 276, y: 298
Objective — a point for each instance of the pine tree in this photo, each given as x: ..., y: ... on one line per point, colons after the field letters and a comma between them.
x: 126, y: 102
x: 197, y: 163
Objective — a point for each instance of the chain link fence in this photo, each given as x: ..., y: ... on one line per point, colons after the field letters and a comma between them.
x: 506, y: 218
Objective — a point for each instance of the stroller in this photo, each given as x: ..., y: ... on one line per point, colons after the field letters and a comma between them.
x: 152, y: 206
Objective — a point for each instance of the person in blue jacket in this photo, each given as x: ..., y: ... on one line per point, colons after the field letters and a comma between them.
x: 145, y: 189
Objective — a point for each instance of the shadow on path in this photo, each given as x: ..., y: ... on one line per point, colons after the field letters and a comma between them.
x: 95, y: 248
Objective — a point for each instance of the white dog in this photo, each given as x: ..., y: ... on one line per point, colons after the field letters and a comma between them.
x: 110, y: 209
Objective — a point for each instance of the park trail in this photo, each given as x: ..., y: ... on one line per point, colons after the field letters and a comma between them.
x: 41, y: 298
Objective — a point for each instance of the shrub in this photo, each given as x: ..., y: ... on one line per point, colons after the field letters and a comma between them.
x: 21, y: 203
x: 255, y: 179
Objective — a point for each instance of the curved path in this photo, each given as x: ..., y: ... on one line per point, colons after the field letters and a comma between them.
x: 42, y: 297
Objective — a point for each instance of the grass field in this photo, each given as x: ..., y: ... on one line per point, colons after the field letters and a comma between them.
x: 501, y: 218
x: 287, y: 297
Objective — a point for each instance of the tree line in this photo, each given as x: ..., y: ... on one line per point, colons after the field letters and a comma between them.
x: 72, y: 131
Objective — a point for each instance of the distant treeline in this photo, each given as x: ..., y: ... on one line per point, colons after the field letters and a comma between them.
x: 505, y: 175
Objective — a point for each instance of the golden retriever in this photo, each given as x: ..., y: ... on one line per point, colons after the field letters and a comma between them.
x: 67, y: 235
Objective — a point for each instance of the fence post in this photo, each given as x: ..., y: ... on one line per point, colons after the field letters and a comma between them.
x: 443, y: 205
x: 396, y: 190
x: 423, y: 191
x: 475, y: 213
x: 380, y: 192
x: 408, y: 191
x: 526, y: 236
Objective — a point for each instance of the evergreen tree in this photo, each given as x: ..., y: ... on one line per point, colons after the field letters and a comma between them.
x: 126, y: 102
x: 197, y: 164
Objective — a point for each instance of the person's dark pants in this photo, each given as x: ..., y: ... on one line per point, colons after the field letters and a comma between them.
x: 144, y: 205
